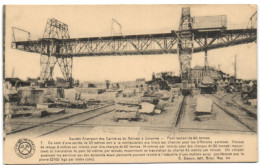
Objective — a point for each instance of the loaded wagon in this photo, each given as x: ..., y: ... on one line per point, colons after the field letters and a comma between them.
x: 185, y: 89
x: 127, y: 109
x: 207, y: 85
x: 209, y: 22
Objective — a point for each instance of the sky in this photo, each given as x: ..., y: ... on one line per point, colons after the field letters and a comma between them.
x: 93, y: 20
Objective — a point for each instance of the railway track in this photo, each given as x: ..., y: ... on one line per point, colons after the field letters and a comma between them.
x: 235, y: 104
x: 71, y: 118
x: 247, y: 121
x: 103, y: 111
x: 180, y: 112
x: 254, y: 115
x: 108, y: 125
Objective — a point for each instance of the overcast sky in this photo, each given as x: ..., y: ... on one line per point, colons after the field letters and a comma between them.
x: 87, y: 21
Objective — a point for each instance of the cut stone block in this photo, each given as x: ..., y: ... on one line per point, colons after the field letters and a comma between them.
x: 253, y: 102
x: 41, y: 113
x: 31, y: 96
x: 129, y: 101
x: 152, y: 100
x: 204, y: 105
x: 45, y: 105
x: 56, y: 111
x: 146, y: 108
x: 157, y: 111
x: 15, y: 115
x: 126, y: 108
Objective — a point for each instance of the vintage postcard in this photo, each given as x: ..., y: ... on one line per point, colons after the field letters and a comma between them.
x: 129, y: 83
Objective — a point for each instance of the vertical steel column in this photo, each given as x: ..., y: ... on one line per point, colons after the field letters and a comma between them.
x: 206, y: 63
x: 47, y: 61
x: 185, y: 43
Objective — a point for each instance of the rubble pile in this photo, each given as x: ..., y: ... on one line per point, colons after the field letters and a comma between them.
x: 49, y: 101
x: 147, y: 101
x: 130, y: 102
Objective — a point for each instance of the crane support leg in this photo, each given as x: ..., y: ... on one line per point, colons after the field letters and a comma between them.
x: 66, y: 67
x: 55, y: 30
x: 185, y: 43
x: 47, y: 67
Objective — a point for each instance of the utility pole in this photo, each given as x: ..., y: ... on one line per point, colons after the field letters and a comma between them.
x: 235, y: 67
x: 13, y: 73
x: 206, y: 63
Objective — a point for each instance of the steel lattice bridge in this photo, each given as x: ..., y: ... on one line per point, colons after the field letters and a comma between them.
x: 56, y: 46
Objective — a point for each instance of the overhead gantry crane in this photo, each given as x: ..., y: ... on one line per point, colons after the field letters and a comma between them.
x: 56, y: 46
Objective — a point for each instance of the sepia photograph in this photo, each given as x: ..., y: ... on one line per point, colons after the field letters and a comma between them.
x: 129, y: 83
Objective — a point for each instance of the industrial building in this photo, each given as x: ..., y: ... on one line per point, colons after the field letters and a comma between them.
x: 198, y: 71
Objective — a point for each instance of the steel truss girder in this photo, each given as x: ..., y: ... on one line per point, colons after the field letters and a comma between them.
x: 128, y: 45
x: 120, y: 46
x: 221, y: 39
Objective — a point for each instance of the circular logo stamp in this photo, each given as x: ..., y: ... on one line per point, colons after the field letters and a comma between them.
x: 24, y: 148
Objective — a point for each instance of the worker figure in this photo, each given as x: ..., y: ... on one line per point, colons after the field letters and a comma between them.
x: 141, y: 88
x: 215, y: 87
x: 107, y: 84
x: 16, y: 85
x: 196, y: 85
x: 117, y: 84
x: 191, y: 93
x: 152, y: 88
